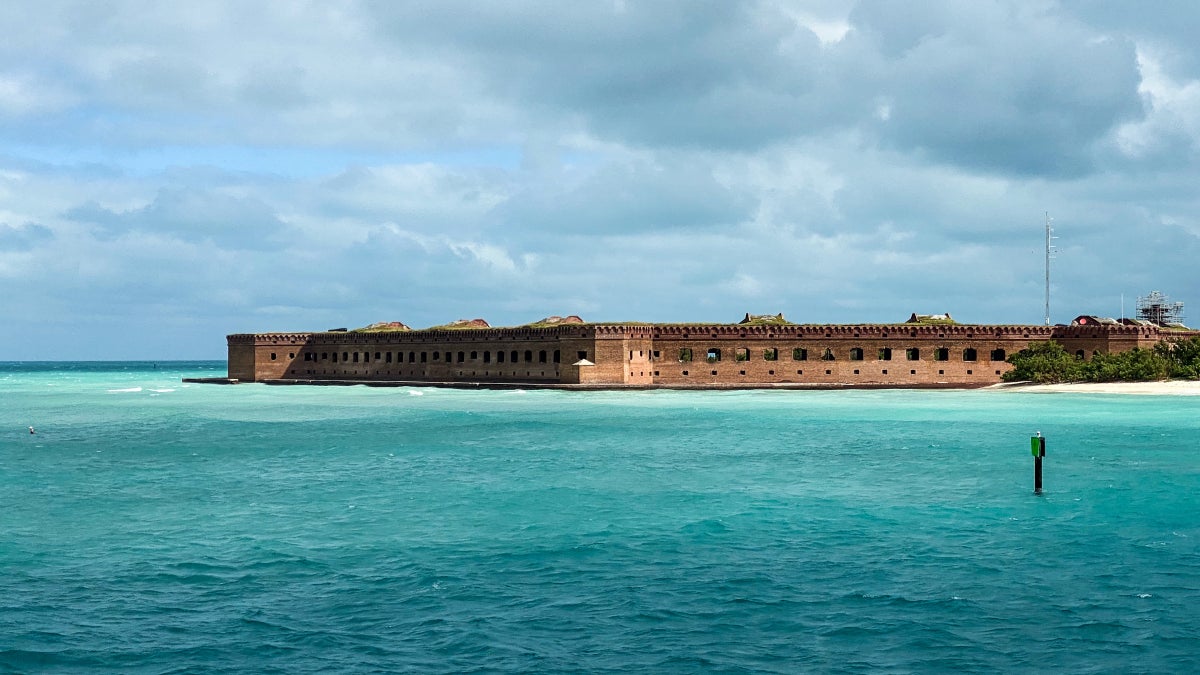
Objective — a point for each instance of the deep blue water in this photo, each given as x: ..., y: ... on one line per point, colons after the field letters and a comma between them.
x: 156, y: 527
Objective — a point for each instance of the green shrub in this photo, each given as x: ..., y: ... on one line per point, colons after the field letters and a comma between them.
x: 1044, y: 363
x: 1048, y: 362
x: 1135, y: 365
x: 1182, y: 356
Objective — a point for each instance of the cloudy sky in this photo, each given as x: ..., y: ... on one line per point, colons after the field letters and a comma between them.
x: 173, y: 172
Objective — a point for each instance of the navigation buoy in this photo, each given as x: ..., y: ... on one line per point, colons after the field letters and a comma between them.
x: 1037, y: 446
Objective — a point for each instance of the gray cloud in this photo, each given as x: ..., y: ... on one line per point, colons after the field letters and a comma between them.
x: 221, y: 167
x: 23, y: 237
x: 723, y: 75
x: 999, y: 88
x: 231, y: 220
x: 627, y: 196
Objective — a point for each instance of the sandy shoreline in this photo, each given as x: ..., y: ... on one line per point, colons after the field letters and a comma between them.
x: 1165, y: 388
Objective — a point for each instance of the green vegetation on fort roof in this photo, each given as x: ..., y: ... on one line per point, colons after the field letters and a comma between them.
x: 466, y: 326
x: 457, y: 326
x: 767, y: 321
x: 381, y: 327
x: 1048, y: 363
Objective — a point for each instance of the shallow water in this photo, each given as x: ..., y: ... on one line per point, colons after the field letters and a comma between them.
x: 156, y: 526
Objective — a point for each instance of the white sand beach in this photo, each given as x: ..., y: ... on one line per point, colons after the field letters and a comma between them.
x: 1164, y: 388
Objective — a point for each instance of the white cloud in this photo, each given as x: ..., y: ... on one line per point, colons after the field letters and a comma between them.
x: 1172, y: 111
x: 745, y: 285
x: 830, y: 23
x: 22, y: 96
x: 490, y: 255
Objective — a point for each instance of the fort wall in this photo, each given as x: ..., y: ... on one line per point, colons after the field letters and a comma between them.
x: 701, y: 355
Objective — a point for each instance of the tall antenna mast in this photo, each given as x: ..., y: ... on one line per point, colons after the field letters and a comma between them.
x: 1048, y: 238
x: 1048, y: 268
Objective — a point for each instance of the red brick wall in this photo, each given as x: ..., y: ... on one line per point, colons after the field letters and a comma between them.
x: 649, y: 355
x: 543, y: 355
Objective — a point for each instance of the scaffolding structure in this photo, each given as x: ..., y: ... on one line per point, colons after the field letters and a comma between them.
x: 1159, y: 309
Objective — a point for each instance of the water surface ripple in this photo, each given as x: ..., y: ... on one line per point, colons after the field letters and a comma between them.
x: 156, y: 527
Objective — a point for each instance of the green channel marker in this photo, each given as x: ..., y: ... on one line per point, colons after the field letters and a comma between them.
x: 1037, y: 446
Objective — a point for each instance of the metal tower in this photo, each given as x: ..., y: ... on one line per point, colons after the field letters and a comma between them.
x: 1159, y: 309
x: 1049, y: 257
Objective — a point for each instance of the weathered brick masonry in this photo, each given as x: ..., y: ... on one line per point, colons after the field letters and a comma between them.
x: 701, y: 355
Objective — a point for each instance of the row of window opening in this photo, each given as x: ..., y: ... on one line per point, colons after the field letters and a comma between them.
x: 514, y: 356
x: 855, y: 354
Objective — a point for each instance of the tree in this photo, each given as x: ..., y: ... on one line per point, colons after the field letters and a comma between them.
x: 1045, y: 363
x: 1135, y: 365
x: 1182, y: 356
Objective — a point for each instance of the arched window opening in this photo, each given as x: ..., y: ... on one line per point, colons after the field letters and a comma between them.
x: 714, y: 355
x: 557, y: 356
x: 998, y: 355
x: 685, y: 355
x: 799, y: 354
x: 462, y: 356
x: 828, y: 355
x: 885, y: 354
x: 487, y: 357
x: 912, y: 354
x: 942, y: 354
x: 542, y: 356
x: 528, y: 356
x: 1079, y: 354
x: 771, y: 354
x: 856, y: 354
x: 969, y: 354
x: 500, y: 356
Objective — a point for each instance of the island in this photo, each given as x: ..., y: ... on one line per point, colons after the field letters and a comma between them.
x: 761, y: 351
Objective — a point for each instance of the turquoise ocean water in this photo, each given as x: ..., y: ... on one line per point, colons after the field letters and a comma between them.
x: 156, y: 527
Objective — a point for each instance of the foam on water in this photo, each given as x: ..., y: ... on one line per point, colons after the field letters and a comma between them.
x: 304, y: 529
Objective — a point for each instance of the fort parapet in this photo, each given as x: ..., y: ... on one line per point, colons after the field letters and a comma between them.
x: 681, y: 356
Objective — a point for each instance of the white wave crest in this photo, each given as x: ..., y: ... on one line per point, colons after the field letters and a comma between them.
x: 130, y: 390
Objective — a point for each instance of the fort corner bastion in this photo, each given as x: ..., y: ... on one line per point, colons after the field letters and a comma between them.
x: 751, y: 354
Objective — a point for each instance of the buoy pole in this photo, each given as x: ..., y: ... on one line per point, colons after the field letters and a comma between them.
x: 1037, y: 446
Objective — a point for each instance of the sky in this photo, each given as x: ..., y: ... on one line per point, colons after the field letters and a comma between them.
x: 171, y: 173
